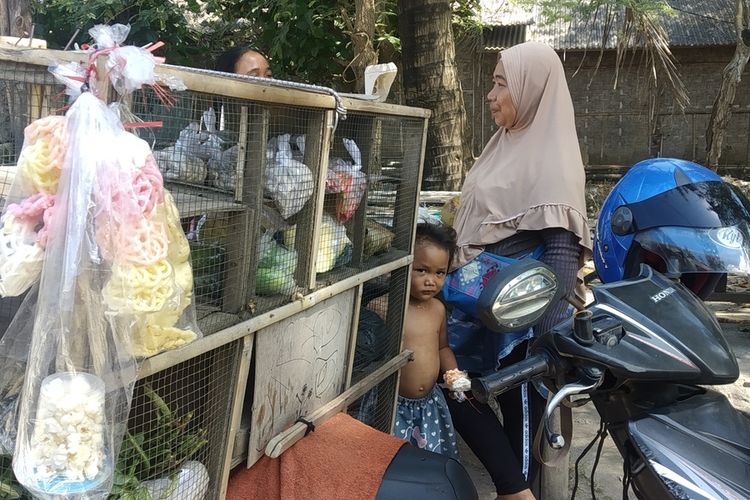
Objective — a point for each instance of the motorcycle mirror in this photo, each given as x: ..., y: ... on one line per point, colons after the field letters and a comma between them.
x: 518, y: 295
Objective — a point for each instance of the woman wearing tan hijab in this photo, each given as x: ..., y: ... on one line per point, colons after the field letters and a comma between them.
x: 526, y: 189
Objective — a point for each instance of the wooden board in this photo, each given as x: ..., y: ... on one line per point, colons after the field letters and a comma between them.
x: 192, y: 205
x: 300, y: 366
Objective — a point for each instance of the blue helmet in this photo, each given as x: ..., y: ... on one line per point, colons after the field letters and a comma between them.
x: 678, y: 217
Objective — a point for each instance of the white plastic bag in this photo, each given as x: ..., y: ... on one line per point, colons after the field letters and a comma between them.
x: 190, y: 483
x: 107, y: 37
x: 130, y: 68
x: 288, y: 182
x: 178, y: 165
x: 222, y: 170
x: 196, y: 145
x: 197, y: 142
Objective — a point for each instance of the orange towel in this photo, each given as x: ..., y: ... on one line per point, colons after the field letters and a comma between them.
x: 343, y: 458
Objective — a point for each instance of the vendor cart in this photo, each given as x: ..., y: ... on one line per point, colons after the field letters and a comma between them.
x: 300, y: 207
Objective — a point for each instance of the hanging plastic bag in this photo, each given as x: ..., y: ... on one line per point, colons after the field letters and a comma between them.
x: 14, y: 349
x: 288, y: 182
x: 116, y: 284
x: 130, y: 68
x: 109, y: 36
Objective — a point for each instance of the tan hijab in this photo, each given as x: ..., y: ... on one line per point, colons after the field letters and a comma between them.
x: 529, y: 176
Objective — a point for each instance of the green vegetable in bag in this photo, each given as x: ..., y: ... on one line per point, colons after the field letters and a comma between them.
x: 275, y: 273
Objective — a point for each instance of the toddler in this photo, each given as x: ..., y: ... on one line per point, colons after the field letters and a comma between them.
x: 422, y: 415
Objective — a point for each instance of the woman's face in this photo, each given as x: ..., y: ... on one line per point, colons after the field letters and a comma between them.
x: 501, y: 106
x: 252, y: 63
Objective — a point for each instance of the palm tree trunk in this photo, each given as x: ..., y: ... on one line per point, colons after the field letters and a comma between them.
x: 430, y: 80
x: 15, y: 17
x: 730, y: 78
x: 364, y: 31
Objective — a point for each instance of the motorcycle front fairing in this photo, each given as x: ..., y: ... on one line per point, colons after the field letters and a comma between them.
x: 699, y: 448
x: 649, y: 328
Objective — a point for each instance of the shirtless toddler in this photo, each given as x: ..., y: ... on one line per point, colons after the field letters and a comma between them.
x: 422, y: 415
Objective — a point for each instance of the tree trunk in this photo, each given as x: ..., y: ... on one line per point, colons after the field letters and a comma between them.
x: 15, y: 17
x: 430, y: 80
x: 730, y: 78
x: 364, y: 30
x: 15, y: 20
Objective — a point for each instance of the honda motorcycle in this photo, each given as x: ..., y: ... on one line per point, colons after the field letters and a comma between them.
x: 642, y: 352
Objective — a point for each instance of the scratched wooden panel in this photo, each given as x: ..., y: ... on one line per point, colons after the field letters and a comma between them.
x: 300, y: 366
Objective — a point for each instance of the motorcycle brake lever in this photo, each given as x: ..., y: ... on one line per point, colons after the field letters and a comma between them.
x: 556, y: 441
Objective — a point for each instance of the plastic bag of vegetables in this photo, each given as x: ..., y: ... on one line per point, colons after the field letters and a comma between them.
x: 333, y: 244
x: 275, y: 273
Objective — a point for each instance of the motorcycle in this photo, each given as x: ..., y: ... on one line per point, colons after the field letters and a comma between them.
x: 642, y: 352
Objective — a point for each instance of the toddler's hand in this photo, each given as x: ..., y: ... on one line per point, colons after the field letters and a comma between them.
x: 458, y: 383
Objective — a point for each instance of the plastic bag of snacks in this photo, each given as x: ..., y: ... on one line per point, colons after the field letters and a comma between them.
x: 288, y: 182
x: 116, y: 285
x: 348, y: 181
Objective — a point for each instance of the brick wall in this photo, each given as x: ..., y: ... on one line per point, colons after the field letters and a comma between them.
x: 614, y: 124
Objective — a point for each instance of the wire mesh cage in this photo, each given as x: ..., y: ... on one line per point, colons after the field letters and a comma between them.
x: 28, y: 92
x: 372, y: 186
x: 178, y: 429
x: 378, y: 340
x: 243, y: 175
x: 375, y: 408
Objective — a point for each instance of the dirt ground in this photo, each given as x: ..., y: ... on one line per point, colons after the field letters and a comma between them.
x: 735, y: 321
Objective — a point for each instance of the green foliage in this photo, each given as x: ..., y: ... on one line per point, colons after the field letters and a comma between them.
x: 191, y: 37
x: 306, y: 40
x: 466, y: 22
x: 156, y: 453
x: 10, y: 488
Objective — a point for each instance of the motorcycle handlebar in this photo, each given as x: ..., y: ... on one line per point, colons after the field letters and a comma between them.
x: 489, y: 386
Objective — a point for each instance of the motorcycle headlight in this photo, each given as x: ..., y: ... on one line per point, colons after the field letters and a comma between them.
x: 518, y: 296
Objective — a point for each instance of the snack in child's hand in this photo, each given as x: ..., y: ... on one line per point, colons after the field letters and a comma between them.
x: 458, y: 382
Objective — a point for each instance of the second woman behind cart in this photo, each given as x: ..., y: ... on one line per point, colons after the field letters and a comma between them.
x: 244, y: 61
